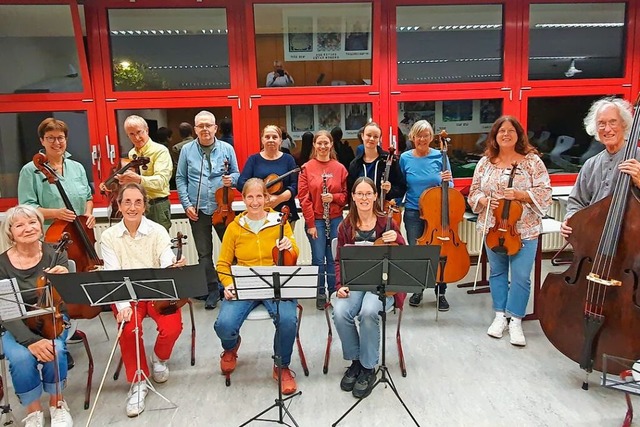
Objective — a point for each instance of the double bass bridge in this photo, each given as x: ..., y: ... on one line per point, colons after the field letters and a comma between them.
x: 594, y: 277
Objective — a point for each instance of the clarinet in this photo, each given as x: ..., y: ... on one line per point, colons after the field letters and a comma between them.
x: 325, y: 212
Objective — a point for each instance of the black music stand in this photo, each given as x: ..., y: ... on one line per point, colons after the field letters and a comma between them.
x: 106, y: 287
x: 383, y: 269
x: 275, y: 283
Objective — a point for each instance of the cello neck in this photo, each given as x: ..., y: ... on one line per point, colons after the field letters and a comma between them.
x: 445, y: 193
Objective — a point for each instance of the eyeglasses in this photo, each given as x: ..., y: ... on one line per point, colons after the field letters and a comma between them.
x: 205, y: 125
x: 134, y: 203
x: 613, y: 124
x: 427, y: 136
x: 368, y: 195
x: 52, y: 139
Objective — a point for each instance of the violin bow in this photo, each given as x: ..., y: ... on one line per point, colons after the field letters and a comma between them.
x: 484, y: 230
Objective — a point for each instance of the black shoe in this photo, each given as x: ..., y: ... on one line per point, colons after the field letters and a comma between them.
x: 415, y: 300
x: 75, y: 338
x: 321, y: 300
x: 364, y: 384
x: 70, y: 362
x: 351, y: 376
x: 212, y: 301
x: 443, y: 304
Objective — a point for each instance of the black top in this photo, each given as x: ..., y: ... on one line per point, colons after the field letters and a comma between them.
x: 358, y: 168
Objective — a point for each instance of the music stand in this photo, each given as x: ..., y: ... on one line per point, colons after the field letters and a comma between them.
x: 277, y: 283
x: 106, y: 287
x: 383, y: 269
x: 17, y: 313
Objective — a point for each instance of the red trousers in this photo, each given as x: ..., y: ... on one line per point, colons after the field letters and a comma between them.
x: 169, y: 327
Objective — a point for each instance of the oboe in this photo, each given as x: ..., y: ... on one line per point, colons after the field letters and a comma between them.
x: 325, y: 207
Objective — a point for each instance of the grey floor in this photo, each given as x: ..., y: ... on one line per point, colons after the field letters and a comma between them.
x: 457, y: 376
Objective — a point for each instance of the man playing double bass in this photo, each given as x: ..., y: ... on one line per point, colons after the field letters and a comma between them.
x: 609, y: 121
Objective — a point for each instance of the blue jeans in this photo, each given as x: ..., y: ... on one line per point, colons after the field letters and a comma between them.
x: 366, y: 345
x: 321, y: 251
x: 512, y: 298
x: 414, y: 225
x: 28, y: 381
x: 233, y: 314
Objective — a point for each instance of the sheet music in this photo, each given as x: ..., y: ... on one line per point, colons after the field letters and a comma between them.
x: 251, y: 286
x: 11, y: 303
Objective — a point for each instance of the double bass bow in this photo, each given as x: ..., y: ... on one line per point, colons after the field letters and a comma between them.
x: 503, y: 237
x: 593, y: 308
x: 223, y: 215
x: 441, y: 226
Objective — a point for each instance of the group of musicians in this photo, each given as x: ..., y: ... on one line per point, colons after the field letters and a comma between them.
x: 511, y: 176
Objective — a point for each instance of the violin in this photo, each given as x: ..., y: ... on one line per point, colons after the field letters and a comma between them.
x: 503, y: 238
x: 441, y: 226
x: 110, y: 185
x: 165, y: 307
x: 84, y: 254
x: 382, y: 201
x: 46, y: 325
x: 283, y: 257
x: 274, y: 182
x: 223, y: 215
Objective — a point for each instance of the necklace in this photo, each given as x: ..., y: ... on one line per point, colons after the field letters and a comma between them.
x: 26, y: 262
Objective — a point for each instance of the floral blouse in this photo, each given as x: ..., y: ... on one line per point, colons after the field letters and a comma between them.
x: 532, y: 177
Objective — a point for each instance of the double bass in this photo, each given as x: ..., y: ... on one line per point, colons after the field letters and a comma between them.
x: 441, y: 226
x: 593, y: 308
x: 83, y: 252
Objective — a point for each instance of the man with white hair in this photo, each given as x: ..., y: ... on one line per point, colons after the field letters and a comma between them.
x: 201, y: 171
x: 279, y: 77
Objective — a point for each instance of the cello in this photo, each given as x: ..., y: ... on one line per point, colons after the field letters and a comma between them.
x: 593, y: 308
x: 223, y: 215
x: 442, y: 225
x: 84, y: 254
x: 503, y: 237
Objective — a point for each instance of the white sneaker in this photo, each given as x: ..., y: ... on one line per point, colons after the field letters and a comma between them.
x: 160, y: 373
x: 516, y: 334
x: 135, y: 400
x: 61, y: 417
x: 497, y: 327
x: 34, y: 419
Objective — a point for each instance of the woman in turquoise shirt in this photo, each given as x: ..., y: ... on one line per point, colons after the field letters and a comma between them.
x: 32, y: 190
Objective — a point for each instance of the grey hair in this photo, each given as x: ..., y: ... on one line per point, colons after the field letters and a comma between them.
x: 624, y: 109
x: 419, y: 127
x: 134, y: 120
x: 20, y: 211
x: 204, y: 113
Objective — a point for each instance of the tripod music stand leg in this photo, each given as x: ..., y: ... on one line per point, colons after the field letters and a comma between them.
x: 7, y: 413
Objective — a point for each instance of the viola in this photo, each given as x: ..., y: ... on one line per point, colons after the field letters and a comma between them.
x: 592, y: 308
x: 283, y: 257
x: 46, y: 325
x: 503, y: 237
x: 441, y: 226
x: 382, y: 201
x: 223, y: 215
x: 274, y: 182
x: 84, y: 254
x: 165, y: 307
x: 111, y: 185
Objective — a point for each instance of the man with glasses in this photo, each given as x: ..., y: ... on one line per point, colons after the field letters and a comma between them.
x: 155, y: 179
x: 201, y: 171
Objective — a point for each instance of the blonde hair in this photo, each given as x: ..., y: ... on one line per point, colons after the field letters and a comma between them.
x: 254, y: 182
x: 20, y: 211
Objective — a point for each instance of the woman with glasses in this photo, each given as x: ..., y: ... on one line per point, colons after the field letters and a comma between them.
x: 32, y: 190
x: 372, y: 164
x: 271, y: 161
x: 322, y: 190
x: 362, y: 226
x: 507, y: 144
x: 422, y: 169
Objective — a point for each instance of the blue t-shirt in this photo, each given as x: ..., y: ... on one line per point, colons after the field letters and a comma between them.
x: 421, y: 173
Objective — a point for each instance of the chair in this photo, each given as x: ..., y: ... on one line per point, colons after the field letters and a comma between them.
x: 594, y: 148
x: 116, y: 374
x: 563, y: 144
x: 261, y: 313
x: 395, y: 307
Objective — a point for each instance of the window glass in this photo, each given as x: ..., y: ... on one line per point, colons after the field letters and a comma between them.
x: 313, y: 44
x: 170, y: 127
x: 19, y: 142
x: 576, y: 41
x: 467, y: 122
x: 441, y: 44
x: 39, y: 53
x: 169, y: 49
x: 556, y: 129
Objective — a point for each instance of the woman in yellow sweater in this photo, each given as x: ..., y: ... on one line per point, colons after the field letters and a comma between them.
x: 249, y: 240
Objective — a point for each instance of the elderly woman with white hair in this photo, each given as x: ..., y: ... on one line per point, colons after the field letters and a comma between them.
x: 31, y: 357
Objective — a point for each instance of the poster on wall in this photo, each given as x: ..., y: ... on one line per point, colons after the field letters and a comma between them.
x: 312, y: 118
x: 456, y: 117
x: 326, y: 36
